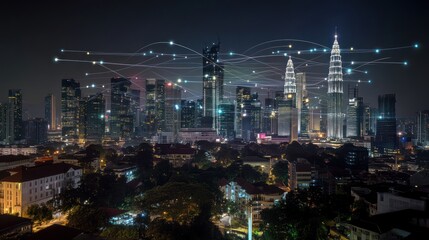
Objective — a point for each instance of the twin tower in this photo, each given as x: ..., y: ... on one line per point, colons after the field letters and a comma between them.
x: 289, y: 109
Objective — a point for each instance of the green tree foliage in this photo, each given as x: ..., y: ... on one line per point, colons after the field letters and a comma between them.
x: 252, y: 175
x: 39, y: 213
x: 95, y: 189
x: 161, y: 173
x: 294, y: 151
x: 176, y: 201
x: 280, y: 171
x: 302, y: 215
x: 226, y: 155
x: 120, y: 233
x: 87, y: 218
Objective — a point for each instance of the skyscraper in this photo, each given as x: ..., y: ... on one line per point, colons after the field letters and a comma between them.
x: 423, y: 128
x: 173, y: 96
x: 155, y: 106
x: 213, y: 72
x: 301, y: 95
x: 242, y: 95
x: 121, y: 118
x: 335, y: 113
x: 386, y: 124
x: 15, y: 104
x: 268, y: 116
x: 226, y: 120
x: 92, y: 118
x: 188, y: 114
x: 50, y: 112
x: 354, y: 120
x: 287, y: 111
x: 3, y: 119
x: 36, y: 131
x: 70, y: 96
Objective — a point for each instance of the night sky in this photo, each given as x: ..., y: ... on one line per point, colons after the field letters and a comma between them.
x: 33, y: 34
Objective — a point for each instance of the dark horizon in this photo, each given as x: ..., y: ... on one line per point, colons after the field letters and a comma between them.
x: 36, y: 32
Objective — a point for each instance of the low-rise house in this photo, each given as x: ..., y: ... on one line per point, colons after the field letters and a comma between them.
x: 12, y: 227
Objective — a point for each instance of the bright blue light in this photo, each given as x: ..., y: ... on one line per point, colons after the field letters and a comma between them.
x: 176, y: 107
x: 366, y: 72
x: 231, y: 53
x: 219, y: 111
x: 349, y: 71
x: 285, y: 54
x: 377, y: 50
x: 93, y: 85
x: 380, y: 117
x: 405, y: 63
x: 150, y: 51
x: 416, y: 45
x: 324, y: 50
x: 171, y: 42
x: 311, y: 50
x: 369, y: 81
x: 315, y: 49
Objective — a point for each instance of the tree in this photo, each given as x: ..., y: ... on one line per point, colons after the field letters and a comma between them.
x: 39, y: 213
x: 162, y: 172
x: 280, y: 171
x: 226, y: 155
x: 87, y: 218
x: 120, y: 233
x: 252, y: 175
x: 294, y: 151
x: 176, y: 201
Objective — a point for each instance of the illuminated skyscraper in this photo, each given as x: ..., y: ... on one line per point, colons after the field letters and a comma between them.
x: 226, y: 120
x: 188, y: 114
x: 51, y: 112
x: 92, y: 118
x: 121, y: 118
x: 386, y: 124
x: 212, y: 86
x: 423, y: 128
x: 335, y: 94
x: 15, y: 103
x: 287, y: 111
x: 242, y: 95
x: 155, y: 106
x: 36, y: 131
x: 354, y: 119
x: 173, y: 96
x: 301, y: 95
x: 70, y: 96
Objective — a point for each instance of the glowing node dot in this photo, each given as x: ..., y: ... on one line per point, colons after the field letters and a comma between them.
x: 324, y: 50
x: 311, y: 50
x: 151, y: 52
x: 416, y: 45
x: 179, y: 80
x: 86, y: 74
x: 94, y: 62
x: 102, y: 86
x: 278, y: 51
x: 315, y: 49
x: 87, y: 53
x: 405, y: 63
x: 366, y: 72
x: 101, y: 62
x: 186, y: 57
x: 358, y: 81
x: 377, y: 50
x: 299, y: 52
x: 349, y: 71
x: 351, y: 49
x: 290, y: 45
x: 62, y: 50
x: 144, y: 54
x: 353, y: 62
x: 369, y: 81
x: 285, y: 54
x: 87, y: 86
x: 56, y: 59
x: 171, y: 42
x: 93, y: 85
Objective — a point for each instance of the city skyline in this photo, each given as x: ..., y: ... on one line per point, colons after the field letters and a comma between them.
x: 49, y: 74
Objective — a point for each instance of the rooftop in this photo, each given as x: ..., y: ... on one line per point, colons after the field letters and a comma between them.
x: 24, y: 174
x: 8, y: 222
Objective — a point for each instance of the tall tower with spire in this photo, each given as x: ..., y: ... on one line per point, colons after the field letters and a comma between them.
x: 335, y: 94
x: 288, y: 114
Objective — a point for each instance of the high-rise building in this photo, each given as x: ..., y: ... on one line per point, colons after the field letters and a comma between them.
x: 354, y: 120
x: 188, y: 114
x: 213, y: 71
x: 226, y: 120
x: 15, y: 103
x: 335, y: 117
x: 386, y: 141
x: 369, y: 120
x: 242, y: 95
x: 301, y: 96
x: 173, y: 97
x: 70, y: 96
x: 3, y: 118
x: 268, y: 117
x: 121, y: 118
x: 155, y: 106
x: 136, y: 110
x: 305, y: 117
x: 36, y: 131
x: 423, y: 128
x: 51, y: 112
x: 92, y: 118
x: 287, y: 111
x: 255, y: 116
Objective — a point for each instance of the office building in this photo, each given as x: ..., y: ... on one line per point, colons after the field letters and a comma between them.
x: 155, y: 106
x: 188, y: 114
x: 287, y: 111
x: 70, y: 96
x: 386, y: 140
x: 173, y: 97
x: 36, y: 131
x: 213, y: 71
x: 121, y: 117
x: 335, y: 117
x: 423, y: 128
x: 226, y: 120
x: 92, y: 118
x: 242, y: 96
x: 51, y: 112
